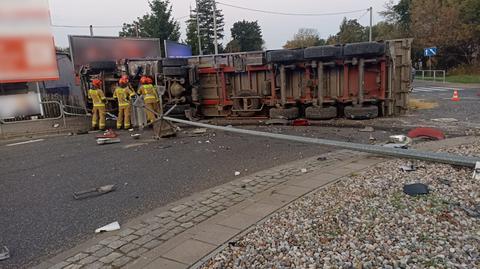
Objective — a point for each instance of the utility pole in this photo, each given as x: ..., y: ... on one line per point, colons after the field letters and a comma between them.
x: 215, y: 26
x: 200, y: 51
x: 371, y: 24
x: 91, y: 30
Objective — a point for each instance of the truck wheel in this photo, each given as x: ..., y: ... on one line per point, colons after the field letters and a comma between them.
x: 323, y: 52
x: 361, y: 113
x: 284, y: 113
x: 365, y: 48
x: 253, y: 103
x: 175, y: 71
x: 284, y: 56
x: 172, y: 62
x: 321, y: 113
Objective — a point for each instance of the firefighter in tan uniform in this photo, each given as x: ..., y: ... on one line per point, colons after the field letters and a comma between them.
x: 150, y: 96
x: 123, y: 94
x: 98, y: 99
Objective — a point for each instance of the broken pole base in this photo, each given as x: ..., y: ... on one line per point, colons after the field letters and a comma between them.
x: 163, y: 128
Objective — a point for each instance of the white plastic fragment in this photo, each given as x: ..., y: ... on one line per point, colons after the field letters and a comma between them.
x: 109, y: 227
x: 303, y: 170
x: 199, y: 131
x: 476, y: 171
x: 237, y: 173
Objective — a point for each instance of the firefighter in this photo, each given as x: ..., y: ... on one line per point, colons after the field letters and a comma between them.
x: 98, y: 99
x: 123, y: 95
x: 150, y: 96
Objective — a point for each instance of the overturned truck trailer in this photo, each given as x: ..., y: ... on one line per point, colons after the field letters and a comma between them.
x: 356, y: 81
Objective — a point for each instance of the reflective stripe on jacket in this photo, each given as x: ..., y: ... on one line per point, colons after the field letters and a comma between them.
x: 149, y: 93
x: 97, y: 96
x: 123, y: 96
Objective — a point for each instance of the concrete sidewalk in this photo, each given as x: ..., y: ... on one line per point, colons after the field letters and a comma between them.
x: 186, y: 233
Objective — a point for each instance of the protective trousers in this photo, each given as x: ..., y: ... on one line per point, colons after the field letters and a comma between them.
x: 98, y: 115
x: 123, y: 117
x: 149, y: 107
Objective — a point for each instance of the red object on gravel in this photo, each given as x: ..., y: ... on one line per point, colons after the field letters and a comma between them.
x: 300, y: 122
x: 108, y: 134
x: 426, y: 132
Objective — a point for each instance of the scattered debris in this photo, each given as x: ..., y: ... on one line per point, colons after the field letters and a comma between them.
x: 110, y: 116
x: 108, y: 228
x: 199, y: 131
x: 415, y: 189
x: 444, y: 181
x: 303, y: 170
x: 104, y: 141
x: 93, y: 192
x: 164, y: 147
x: 322, y: 158
x: 4, y: 253
x: 56, y: 125
x: 131, y: 130
x: 474, y: 213
x: 277, y: 122
x: 367, y: 129
x: 108, y: 134
x: 432, y: 133
x: 476, y: 171
x: 372, y: 139
x: 421, y: 104
x: 408, y: 168
x: 237, y: 173
x: 300, y: 122
x: 445, y: 120
x: 135, y: 136
x: 396, y: 146
x: 400, y: 139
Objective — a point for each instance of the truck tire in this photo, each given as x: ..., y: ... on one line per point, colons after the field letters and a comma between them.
x: 361, y: 113
x: 103, y: 65
x: 173, y: 62
x: 365, y: 48
x: 238, y: 103
x: 321, y: 113
x: 323, y: 52
x: 284, y: 56
x: 284, y: 113
x: 175, y: 71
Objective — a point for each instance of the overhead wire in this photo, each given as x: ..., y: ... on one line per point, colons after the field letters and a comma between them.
x: 289, y: 13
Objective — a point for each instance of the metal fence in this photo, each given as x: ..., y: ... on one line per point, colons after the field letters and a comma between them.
x: 430, y: 75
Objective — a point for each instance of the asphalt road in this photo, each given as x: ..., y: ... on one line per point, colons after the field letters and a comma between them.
x: 40, y: 218
x: 465, y: 110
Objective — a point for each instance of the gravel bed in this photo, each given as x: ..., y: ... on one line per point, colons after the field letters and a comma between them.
x: 366, y: 221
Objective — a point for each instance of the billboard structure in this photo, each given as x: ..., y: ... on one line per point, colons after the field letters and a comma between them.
x: 177, y: 50
x: 27, y: 50
x: 89, y: 49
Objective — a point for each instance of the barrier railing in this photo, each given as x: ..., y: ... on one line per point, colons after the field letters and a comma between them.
x: 430, y: 75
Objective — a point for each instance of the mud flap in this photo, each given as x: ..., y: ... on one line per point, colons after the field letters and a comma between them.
x: 284, y: 113
x: 320, y: 113
x: 361, y: 113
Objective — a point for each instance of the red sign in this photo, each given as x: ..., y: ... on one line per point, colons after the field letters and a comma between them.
x: 27, y: 50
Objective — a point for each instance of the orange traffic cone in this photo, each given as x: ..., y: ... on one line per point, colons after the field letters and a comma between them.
x: 455, y: 96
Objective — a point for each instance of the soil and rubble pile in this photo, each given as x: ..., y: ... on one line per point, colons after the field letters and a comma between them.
x: 366, y: 221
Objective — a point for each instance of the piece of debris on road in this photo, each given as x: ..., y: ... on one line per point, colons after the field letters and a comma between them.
x: 4, y: 253
x: 93, y: 192
x: 366, y: 221
x: 367, y: 129
x: 108, y: 228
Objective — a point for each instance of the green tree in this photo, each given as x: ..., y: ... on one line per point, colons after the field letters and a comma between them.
x: 305, y: 37
x: 399, y: 14
x: 206, y: 21
x: 350, y: 32
x: 159, y: 23
x: 246, y: 36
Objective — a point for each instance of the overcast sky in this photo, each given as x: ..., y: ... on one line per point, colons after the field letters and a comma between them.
x: 276, y: 29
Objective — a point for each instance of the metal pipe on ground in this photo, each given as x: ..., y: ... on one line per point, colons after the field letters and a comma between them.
x: 374, y: 149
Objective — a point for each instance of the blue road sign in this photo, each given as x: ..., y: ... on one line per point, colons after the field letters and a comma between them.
x: 429, y: 52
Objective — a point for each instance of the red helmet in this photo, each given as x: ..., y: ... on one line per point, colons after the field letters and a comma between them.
x: 123, y: 80
x: 97, y: 83
x: 146, y: 80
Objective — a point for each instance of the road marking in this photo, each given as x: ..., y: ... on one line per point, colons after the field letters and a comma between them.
x: 435, y: 89
x: 24, y: 142
x: 134, y: 145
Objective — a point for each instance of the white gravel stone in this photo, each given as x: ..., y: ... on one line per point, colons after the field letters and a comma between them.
x: 366, y: 221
